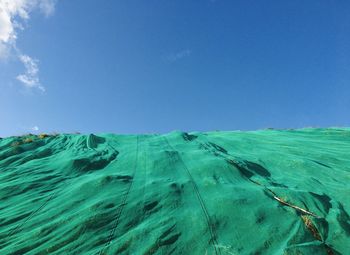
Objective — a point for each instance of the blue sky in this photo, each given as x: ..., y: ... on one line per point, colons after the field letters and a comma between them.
x: 157, y: 66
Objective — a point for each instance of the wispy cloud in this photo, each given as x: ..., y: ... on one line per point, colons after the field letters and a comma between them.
x: 179, y: 55
x: 30, y: 77
x: 47, y: 6
x: 13, y: 16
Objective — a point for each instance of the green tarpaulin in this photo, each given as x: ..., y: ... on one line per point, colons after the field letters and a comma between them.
x: 261, y: 192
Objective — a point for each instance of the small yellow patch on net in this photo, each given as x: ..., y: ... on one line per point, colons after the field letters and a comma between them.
x: 42, y: 136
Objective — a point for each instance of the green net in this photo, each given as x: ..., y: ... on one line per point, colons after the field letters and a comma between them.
x: 261, y: 192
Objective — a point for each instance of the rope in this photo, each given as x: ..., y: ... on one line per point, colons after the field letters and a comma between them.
x: 121, y: 207
x: 201, y: 202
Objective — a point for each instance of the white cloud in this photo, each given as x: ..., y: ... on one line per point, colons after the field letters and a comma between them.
x: 179, y: 55
x: 13, y: 16
x: 30, y: 77
x: 35, y: 128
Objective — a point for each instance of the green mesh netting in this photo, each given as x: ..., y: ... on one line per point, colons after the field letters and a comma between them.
x: 262, y: 192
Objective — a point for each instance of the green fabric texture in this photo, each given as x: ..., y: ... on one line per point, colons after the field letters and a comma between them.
x: 258, y: 192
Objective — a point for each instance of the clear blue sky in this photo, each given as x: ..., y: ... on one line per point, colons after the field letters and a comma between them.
x: 157, y: 66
